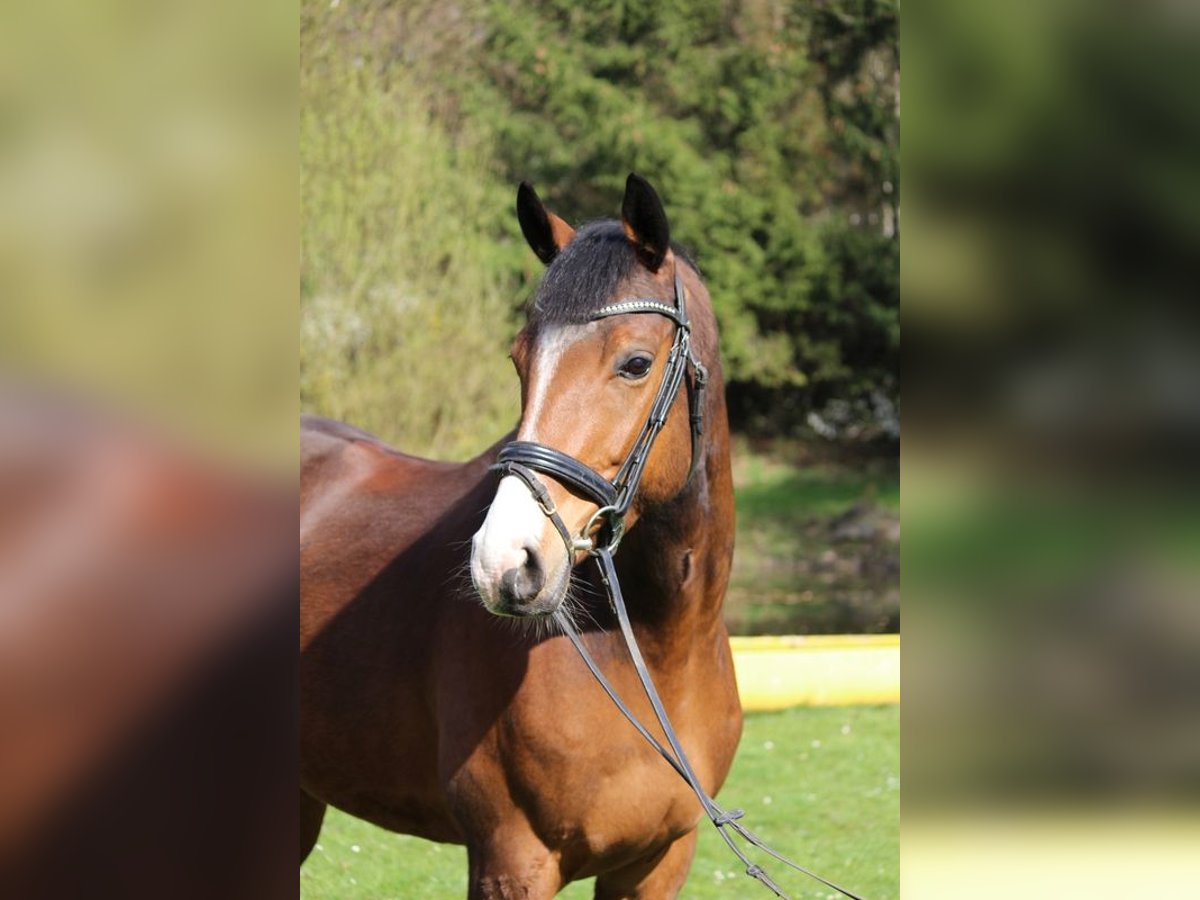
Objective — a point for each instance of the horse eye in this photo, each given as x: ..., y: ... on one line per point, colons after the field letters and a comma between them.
x: 636, y: 367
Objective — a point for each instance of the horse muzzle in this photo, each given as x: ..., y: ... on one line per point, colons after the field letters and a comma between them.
x: 515, y: 557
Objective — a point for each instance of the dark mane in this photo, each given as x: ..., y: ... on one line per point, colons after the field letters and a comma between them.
x: 586, y: 274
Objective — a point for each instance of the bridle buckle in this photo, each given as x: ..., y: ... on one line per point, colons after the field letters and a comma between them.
x: 616, y: 529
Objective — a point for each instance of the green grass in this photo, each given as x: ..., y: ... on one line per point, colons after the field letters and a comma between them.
x: 769, y: 487
x: 776, y: 499
x: 791, y: 572
x: 821, y: 785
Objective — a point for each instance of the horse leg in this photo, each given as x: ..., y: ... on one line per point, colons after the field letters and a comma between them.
x: 312, y: 813
x: 660, y: 876
x: 515, y: 869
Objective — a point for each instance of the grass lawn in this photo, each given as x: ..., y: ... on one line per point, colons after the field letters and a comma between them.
x: 821, y: 785
x: 817, y: 544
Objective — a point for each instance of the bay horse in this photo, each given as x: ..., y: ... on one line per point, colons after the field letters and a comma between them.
x: 451, y: 707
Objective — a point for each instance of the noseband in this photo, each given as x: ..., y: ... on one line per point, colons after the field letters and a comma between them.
x: 525, y: 459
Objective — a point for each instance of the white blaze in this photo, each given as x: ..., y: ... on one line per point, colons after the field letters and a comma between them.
x: 551, y: 345
x: 514, y: 522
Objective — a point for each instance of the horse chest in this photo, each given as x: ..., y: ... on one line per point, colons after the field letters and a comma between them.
x: 590, y: 814
x: 583, y: 776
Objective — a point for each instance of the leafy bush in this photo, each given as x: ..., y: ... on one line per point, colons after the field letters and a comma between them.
x: 771, y: 130
x: 406, y: 312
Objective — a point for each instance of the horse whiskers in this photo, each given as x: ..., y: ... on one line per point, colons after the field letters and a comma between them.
x: 541, y: 628
x: 575, y: 608
x: 459, y: 572
x: 582, y: 597
x: 459, y: 582
x: 566, y: 611
x: 531, y: 628
x: 582, y: 610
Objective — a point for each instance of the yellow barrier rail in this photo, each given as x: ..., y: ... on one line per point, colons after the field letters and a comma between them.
x: 779, y: 671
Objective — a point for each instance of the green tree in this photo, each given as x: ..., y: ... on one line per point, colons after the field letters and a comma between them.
x: 770, y: 128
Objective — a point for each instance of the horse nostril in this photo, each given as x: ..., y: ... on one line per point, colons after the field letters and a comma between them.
x: 533, y: 565
x: 520, y: 584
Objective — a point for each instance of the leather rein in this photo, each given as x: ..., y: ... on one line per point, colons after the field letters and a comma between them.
x: 603, y: 532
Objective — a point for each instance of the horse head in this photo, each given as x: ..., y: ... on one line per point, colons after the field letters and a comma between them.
x: 592, y: 379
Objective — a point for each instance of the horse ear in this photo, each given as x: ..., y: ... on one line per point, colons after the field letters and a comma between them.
x: 645, y: 221
x: 546, y: 233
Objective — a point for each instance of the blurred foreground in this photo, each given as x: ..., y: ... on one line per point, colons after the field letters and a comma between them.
x: 147, y: 663
x: 1052, y: 427
x: 147, y: 451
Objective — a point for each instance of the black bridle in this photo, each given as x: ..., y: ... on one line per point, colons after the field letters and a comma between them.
x: 525, y: 459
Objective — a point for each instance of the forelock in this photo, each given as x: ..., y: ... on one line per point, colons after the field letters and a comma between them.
x: 585, y: 275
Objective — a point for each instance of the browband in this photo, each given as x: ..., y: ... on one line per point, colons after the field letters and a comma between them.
x: 639, y: 306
